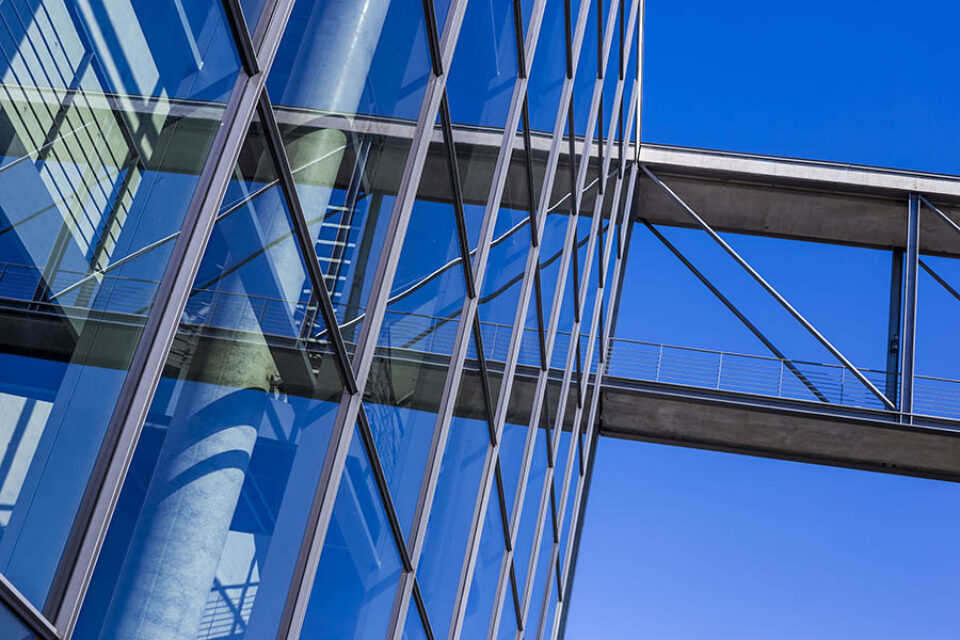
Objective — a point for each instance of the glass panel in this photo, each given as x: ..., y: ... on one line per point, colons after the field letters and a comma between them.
x: 570, y: 505
x: 93, y: 192
x: 359, y: 569
x: 544, y: 571
x: 587, y: 69
x: 481, y: 78
x: 548, y: 70
x: 454, y: 506
x: 414, y: 347
x: 551, y: 253
x: 343, y: 70
x: 566, y: 318
x: 551, y: 614
x: 500, y: 293
x: 612, y: 75
x: 486, y: 574
x: 512, y: 442
x: 217, y: 498
x: 12, y: 628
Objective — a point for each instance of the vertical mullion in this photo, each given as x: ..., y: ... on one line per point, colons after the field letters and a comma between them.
x: 140, y: 383
x: 350, y: 404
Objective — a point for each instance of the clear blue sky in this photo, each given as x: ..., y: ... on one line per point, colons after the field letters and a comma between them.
x: 693, y: 544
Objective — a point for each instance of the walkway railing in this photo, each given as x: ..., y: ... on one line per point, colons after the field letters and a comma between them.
x: 412, y: 332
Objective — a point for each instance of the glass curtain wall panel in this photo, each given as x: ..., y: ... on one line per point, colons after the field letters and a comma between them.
x: 204, y: 539
x: 356, y: 581
x: 500, y: 292
x: 347, y: 86
x: 588, y: 68
x: 484, y: 67
x: 107, y: 114
x: 476, y: 623
x: 416, y: 340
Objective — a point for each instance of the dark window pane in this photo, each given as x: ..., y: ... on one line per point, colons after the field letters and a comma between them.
x: 203, y: 541
x: 356, y: 581
x: 93, y: 192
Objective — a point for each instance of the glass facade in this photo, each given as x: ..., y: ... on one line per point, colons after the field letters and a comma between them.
x: 301, y: 309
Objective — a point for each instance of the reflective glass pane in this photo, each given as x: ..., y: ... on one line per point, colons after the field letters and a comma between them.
x: 107, y: 114
x: 414, y: 346
x: 508, y: 619
x: 544, y: 571
x: 484, y: 68
x: 413, y: 628
x: 570, y: 498
x: 454, y: 506
x: 205, y: 535
x: 531, y: 509
x: 252, y: 9
x: 612, y: 75
x: 500, y: 292
x: 359, y: 570
x: 483, y: 589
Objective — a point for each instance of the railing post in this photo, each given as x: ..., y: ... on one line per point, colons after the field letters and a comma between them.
x: 843, y: 377
x: 780, y: 381
x: 719, y: 368
x: 656, y: 377
x: 908, y: 336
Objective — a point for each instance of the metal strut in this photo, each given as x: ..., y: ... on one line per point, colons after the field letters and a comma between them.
x: 772, y: 291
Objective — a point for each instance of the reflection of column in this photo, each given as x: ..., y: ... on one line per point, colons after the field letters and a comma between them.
x: 339, y: 40
x: 180, y: 535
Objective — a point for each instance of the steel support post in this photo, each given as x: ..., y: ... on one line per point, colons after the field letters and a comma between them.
x: 908, y: 337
